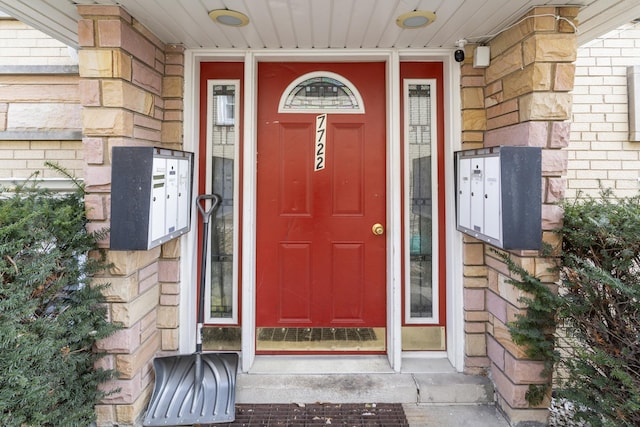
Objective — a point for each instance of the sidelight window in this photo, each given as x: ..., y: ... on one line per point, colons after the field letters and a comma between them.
x: 221, y: 303
x: 421, y: 292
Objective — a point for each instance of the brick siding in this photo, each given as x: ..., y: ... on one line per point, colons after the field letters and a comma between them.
x: 599, y: 149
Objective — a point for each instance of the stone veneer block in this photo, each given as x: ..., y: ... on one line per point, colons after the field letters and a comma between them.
x: 524, y: 371
x: 545, y: 106
x: 522, y: 417
x: 510, y: 293
x: 107, y: 122
x: 495, y: 352
x: 554, y: 162
x: 104, y: 63
x: 128, y: 365
x: 170, y: 339
x: 85, y: 33
x: 533, y: 77
x: 146, y: 77
x: 93, y: 150
x: 89, y: 93
x: 171, y: 133
x: 551, y: 217
x: 497, y: 306
x: 502, y: 108
x: 474, y: 119
x: 503, y: 336
x: 122, y: 341
x: 173, y: 87
x: 129, y: 390
x: 564, y: 77
x: 527, y: 134
x: 97, y: 176
x: 168, y: 317
x: 550, y: 48
x: 95, y: 207
x: 514, y: 394
x: 103, y: 10
x: 474, y: 299
x: 129, y: 313
x: 118, y: 93
x: 129, y: 415
x: 504, y: 64
x: 475, y: 345
x: 472, y: 97
x: 105, y: 415
x: 120, y: 289
x: 124, y: 263
x: 43, y: 116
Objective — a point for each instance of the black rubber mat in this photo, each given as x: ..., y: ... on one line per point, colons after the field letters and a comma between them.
x: 319, y: 414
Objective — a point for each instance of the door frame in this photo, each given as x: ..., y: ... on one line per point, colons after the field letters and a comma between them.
x: 394, y: 236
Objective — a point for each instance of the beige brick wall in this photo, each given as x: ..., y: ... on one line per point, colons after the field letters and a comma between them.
x: 599, y: 148
x: 22, y: 45
x: 20, y: 159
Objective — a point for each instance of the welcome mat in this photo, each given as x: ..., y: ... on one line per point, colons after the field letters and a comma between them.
x: 319, y: 414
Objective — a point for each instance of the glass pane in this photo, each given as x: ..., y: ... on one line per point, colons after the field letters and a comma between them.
x: 222, y: 162
x: 418, y: 109
x: 321, y: 93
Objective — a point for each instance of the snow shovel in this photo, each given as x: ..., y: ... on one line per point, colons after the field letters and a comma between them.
x: 197, y: 388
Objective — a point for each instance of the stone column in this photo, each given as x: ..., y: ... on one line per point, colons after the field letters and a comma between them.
x: 526, y: 103
x: 131, y: 88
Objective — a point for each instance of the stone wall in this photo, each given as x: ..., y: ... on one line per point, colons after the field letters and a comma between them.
x: 40, y: 118
x: 523, y: 98
x: 600, y: 150
x: 131, y: 88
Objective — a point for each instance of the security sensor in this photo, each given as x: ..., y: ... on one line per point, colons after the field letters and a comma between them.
x: 458, y: 55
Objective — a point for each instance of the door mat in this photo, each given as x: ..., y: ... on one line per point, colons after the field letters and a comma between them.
x: 319, y: 414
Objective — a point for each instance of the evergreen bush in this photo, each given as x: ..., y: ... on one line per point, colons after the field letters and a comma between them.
x: 600, y: 309
x: 50, y: 317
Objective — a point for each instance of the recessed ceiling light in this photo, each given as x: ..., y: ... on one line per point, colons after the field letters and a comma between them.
x: 415, y: 19
x: 229, y: 17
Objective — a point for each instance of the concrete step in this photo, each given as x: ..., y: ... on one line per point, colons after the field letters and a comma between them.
x: 358, y: 380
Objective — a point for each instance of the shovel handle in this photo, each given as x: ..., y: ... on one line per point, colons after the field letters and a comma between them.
x: 206, y: 213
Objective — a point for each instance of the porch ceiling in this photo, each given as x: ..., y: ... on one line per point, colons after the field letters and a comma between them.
x: 319, y: 24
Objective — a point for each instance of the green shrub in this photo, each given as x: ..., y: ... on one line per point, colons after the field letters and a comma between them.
x: 600, y: 308
x: 50, y: 318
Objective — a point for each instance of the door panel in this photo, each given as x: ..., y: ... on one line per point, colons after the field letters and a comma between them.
x: 318, y: 263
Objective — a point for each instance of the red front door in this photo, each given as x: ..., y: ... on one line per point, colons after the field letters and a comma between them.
x: 319, y: 264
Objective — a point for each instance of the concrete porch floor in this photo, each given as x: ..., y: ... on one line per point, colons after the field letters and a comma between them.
x: 431, y: 391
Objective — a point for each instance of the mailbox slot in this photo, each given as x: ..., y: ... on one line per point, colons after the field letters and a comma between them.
x: 498, y: 196
x: 150, y: 196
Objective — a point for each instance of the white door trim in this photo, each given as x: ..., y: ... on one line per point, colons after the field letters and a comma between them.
x: 455, y: 327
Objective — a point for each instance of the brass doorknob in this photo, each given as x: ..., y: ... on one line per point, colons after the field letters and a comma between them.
x: 377, y: 229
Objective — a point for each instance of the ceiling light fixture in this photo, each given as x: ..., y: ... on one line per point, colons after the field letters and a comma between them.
x: 415, y: 19
x: 229, y: 17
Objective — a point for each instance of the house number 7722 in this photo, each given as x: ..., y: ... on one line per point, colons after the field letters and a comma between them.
x: 321, y: 142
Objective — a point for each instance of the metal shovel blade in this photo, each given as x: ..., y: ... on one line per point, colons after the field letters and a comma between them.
x: 193, y: 389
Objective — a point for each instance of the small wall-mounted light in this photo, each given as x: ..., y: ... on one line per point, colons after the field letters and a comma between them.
x: 229, y: 17
x: 415, y: 19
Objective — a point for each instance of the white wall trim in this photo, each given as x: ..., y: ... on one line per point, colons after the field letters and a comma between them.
x: 394, y: 215
x: 249, y: 212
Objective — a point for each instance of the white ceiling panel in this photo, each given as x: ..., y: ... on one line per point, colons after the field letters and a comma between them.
x: 320, y: 24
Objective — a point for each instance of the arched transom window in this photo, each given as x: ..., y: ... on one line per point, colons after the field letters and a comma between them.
x: 321, y: 92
